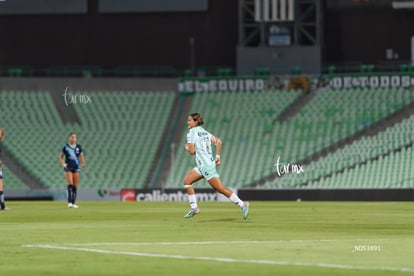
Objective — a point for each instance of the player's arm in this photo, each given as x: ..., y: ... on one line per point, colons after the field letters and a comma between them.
x: 190, y: 148
x: 82, y: 160
x: 62, y: 161
x: 2, y: 132
x: 218, y: 143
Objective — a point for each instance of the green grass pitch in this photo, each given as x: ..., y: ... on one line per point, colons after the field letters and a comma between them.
x: 283, y: 238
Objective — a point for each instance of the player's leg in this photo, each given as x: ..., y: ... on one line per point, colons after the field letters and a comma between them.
x: 76, y: 178
x: 2, y: 203
x: 217, y: 185
x: 191, y: 177
x: 69, y: 181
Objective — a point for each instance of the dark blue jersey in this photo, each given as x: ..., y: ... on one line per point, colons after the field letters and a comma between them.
x: 72, y: 156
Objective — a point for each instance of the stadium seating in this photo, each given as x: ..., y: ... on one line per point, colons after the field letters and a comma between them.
x: 33, y: 128
x: 11, y: 181
x: 252, y: 142
x: 119, y: 132
x: 380, y: 161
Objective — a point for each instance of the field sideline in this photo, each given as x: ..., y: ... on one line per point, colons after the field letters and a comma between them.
x: 287, y: 238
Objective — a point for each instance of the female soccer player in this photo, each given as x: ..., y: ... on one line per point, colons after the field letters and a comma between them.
x: 2, y: 204
x: 199, y: 144
x: 73, y: 155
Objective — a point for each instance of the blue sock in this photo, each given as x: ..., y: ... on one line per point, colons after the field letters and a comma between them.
x: 70, y: 193
x: 2, y: 205
x: 74, y: 194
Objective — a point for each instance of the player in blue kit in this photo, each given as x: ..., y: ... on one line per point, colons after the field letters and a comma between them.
x: 199, y: 144
x: 2, y: 204
x: 72, y: 152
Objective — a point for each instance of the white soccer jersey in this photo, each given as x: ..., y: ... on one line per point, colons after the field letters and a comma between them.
x: 201, y: 139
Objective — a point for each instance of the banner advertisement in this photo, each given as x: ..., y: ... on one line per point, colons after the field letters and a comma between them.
x: 285, y: 83
x: 140, y: 195
x: 60, y: 194
x: 395, y: 81
x: 300, y: 195
x: 216, y: 85
x: 177, y: 195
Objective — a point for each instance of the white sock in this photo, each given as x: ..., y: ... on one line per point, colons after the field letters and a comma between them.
x: 233, y: 197
x: 193, y: 201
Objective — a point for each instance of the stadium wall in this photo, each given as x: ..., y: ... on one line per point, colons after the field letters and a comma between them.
x: 102, y: 194
x: 179, y: 195
x: 273, y: 195
x: 357, y: 35
x: 122, y: 39
x: 329, y: 194
x: 362, y: 35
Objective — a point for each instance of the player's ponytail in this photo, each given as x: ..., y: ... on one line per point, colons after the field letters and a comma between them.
x: 197, y: 118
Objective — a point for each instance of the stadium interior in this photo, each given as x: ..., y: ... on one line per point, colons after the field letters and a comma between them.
x: 355, y: 138
x: 312, y: 102
x: 340, y: 111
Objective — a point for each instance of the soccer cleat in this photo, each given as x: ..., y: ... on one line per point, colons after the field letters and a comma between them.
x: 70, y: 205
x: 5, y: 209
x: 192, y: 212
x: 245, y: 210
x: 75, y: 206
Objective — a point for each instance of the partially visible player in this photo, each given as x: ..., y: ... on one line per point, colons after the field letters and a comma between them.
x: 199, y: 144
x: 2, y: 203
x: 71, y: 166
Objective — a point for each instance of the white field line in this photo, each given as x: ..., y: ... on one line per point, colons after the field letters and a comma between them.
x: 225, y: 260
x: 227, y: 242
x: 192, y: 243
